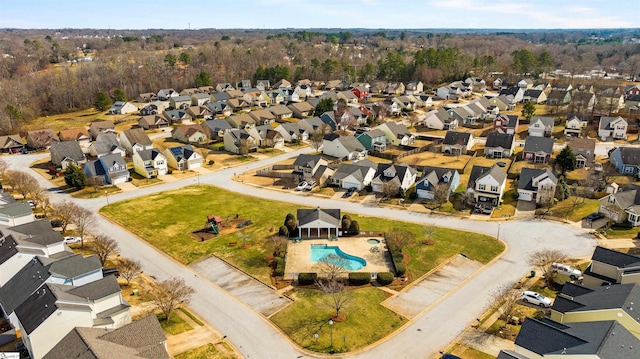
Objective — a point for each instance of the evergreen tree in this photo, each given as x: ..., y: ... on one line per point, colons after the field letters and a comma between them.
x: 74, y: 177
x: 566, y: 160
x: 203, y: 79
x: 528, y: 110
x: 103, y: 102
x: 119, y: 95
x: 326, y: 104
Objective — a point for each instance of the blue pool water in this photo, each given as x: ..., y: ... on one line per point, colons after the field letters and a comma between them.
x: 319, y: 251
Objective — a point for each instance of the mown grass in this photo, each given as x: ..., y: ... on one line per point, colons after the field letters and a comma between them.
x: 169, y: 217
x: 310, y: 315
x: 175, y: 325
x: 207, y: 351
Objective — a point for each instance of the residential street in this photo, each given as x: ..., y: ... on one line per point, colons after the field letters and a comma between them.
x: 423, y: 337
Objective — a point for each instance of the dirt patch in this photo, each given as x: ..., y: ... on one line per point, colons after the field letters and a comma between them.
x: 230, y: 225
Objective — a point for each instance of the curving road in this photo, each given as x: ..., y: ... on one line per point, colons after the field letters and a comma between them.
x: 423, y: 337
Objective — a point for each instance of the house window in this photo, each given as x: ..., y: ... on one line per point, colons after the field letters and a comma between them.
x: 494, y: 188
x: 481, y: 187
x: 633, y: 217
x: 628, y: 170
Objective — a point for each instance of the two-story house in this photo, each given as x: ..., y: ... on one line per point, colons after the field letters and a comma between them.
x: 541, y: 126
x: 372, y: 140
x: 106, y: 144
x: 457, y: 143
x: 354, y: 175
x: 623, y: 205
x: 242, y: 141
x: 216, y: 129
x: 487, y: 184
x: 437, y: 182
x: 183, y: 158
x: 79, y: 134
x: 575, y: 125
x: 180, y: 102
x: 585, y: 151
x: 396, y: 179
x: 122, y: 108
x: 189, y: 133
x: 614, y: 127
x: 307, y: 165
x: 397, y: 134
x: 610, y: 267
x: 506, y: 124
x: 67, y: 152
x: 111, y: 169
x: 347, y: 147
x: 538, y: 149
x: 440, y: 119
x: 536, y: 185
x: 292, y: 132
x: 134, y: 140
x: 626, y: 160
x: 149, y: 163
x: 499, y: 145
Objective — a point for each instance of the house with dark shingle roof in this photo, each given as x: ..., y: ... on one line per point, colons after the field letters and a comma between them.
x: 220, y: 108
x: 538, y: 149
x: 549, y: 339
x: 307, y: 165
x: 111, y: 169
x: 487, y: 184
x: 623, y: 205
x: 390, y: 178
x: 541, y: 126
x: 150, y: 163
x: 15, y: 214
x: 354, y: 175
x: 457, y: 143
x: 437, y: 181
x: 609, y: 267
x: 558, y: 97
x: 292, y: 132
x: 154, y: 108
x: 506, y: 124
x: 216, y: 128
x: 183, y: 158
x: 318, y: 222
x: 189, y: 133
x: 67, y: 152
x: 499, y: 145
x: 122, y: 108
x: 535, y: 96
x: 343, y: 147
x: 626, y: 160
x: 397, y: 134
x: 176, y: 117
x: 199, y: 112
x: 41, y: 139
x: 99, y: 127
x: 614, y: 127
x: 584, y: 149
x: 242, y: 141
x: 537, y: 185
x: 575, y: 124
x: 106, y: 144
x: 35, y: 238
x: 141, y: 339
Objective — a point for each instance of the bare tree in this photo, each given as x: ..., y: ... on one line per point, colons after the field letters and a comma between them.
x: 170, y: 293
x: 398, y: 238
x: 543, y: 259
x: 4, y: 167
x: 83, y: 218
x: 331, y: 267
x: 43, y: 201
x: 24, y: 183
x: 317, y: 137
x: 103, y: 247
x: 276, y: 244
x: 504, y: 300
x: 65, y: 211
x: 129, y: 269
x: 441, y: 193
x: 430, y: 230
x: 337, y: 292
x: 95, y: 182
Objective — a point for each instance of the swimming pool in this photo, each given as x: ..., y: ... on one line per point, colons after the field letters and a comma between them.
x: 319, y: 251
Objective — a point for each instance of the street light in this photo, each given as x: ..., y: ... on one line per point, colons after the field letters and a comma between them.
x: 331, y: 333
x: 107, y: 195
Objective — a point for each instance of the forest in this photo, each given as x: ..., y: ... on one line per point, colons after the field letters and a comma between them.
x: 45, y: 72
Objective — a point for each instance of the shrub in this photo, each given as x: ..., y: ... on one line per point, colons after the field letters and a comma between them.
x: 283, y: 231
x: 359, y: 278
x: 211, y: 162
x: 169, y: 171
x: 354, y: 227
x: 397, y: 257
x: 413, y: 196
x: 400, y: 269
x: 307, y: 278
x: 385, y: 278
x: 623, y: 225
x: 279, y: 269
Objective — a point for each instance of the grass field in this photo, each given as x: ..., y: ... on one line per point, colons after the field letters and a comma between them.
x: 575, y: 208
x: 175, y: 325
x: 310, y: 315
x: 208, y: 351
x: 170, y: 217
x: 80, y: 118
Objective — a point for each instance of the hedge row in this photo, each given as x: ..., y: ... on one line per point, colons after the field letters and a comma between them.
x: 307, y: 278
x: 397, y: 257
x: 385, y: 278
x: 359, y: 278
x: 279, y: 270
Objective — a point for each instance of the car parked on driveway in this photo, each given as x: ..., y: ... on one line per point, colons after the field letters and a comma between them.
x: 310, y: 185
x: 71, y: 239
x: 535, y: 298
x: 566, y: 269
x: 595, y: 216
x: 302, y: 186
x: 349, y: 192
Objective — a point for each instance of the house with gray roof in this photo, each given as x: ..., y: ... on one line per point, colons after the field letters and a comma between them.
x: 354, y: 175
x: 487, y: 184
x: 106, y: 144
x: 626, y: 160
x: 612, y: 127
x: 242, y: 141
x: 584, y: 149
x: 110, y: 169
x: 135, y: 140
x: 373, y: 139
x: 15, y: 214
x: 538, y: 149
x: 180, y: 102
x: 541, y: 126
x: 292, y: 132
x: 549, y: 339
x: 262, y: 116
x: 440, y: 119
x: 154, y: 108
x: 499, y: 145
x: 122, y: 108
x: 609, y: 267
x: 347, y: 147
x: 457, y: 143
x: 506, y: 124
x: 220, y: 108
x: 183, y: 158
x: 67, y: 152
x: 216, y: 128
x: 318, y: 222
x: 99, y: 127
x: 313, y: 124
x: 150, y: 163
x: 623, y: 205
x: 537, y: 185
x: 200, y: 99
x: 393, y: 179
x: 397, y: 134
x: 166, y: 94
x: 437, y: 183
x: 177, y: 117
x: 558, y: 97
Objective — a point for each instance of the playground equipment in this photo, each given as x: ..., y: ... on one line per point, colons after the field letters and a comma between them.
x: 214, y: 222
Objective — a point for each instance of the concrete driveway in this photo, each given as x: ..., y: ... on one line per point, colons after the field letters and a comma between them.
x: 525, y: 209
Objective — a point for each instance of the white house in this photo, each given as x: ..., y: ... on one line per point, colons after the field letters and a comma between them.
x: 537, y: 185
x: 440, y: 119
x: 615, y: 127
x: 122, y: 108
x: 149, y: 163
x: 487, y: 184
x: 343, y: 147
x: 392, y: 178
x: 356, y: 175
x: 183, y: 158
x: 574, y: 125
x: 134, y: 140
x: 541, y: 126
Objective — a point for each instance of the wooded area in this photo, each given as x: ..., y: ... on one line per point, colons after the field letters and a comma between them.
x: 45, y: 72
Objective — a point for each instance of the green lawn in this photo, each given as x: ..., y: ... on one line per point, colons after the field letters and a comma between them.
x: 174, y: 326
x: 309, y: 315
x: 208, y: 351
x: 575, y: 208
x: 169, y: 217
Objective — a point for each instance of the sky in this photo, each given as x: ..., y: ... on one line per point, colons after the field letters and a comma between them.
x: 277, y: 14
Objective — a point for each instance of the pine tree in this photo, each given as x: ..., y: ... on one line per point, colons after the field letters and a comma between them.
x: 103, y: 102
x: 566, y: 160
x: 74, y: 177
x: 528, y: 110
x: 119, y: 95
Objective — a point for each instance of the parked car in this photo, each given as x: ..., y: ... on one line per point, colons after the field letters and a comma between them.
x: 566, y: 269
x: 349, y: 192
x: 302, y: 185
x: 595, y: 216
x: 535, y: 298
x: 478, y: 208
x: 32, y: 204
x: 310, y: 185
x: 71, y: 239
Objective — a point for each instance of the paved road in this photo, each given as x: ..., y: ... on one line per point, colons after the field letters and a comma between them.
x: 423, y: 337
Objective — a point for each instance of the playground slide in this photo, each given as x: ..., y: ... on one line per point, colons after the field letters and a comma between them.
x: 214, y: 228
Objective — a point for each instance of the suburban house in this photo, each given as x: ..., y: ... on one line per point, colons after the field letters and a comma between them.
x: 224, y: 86
x: 397, y: 134
x: 289, y: 95
x: 506, y: 124
x: 535, y: 96
x: 239, y: 104
x: 262, y: 117
x: 536, y: 185
x: 111, y: 169
x: 440, y: 119
x: 149, y: 163
x: 503, y: 103
x: 292, y: 132
x: 149, y: 122
x: 306, y: 166
x: 515, y: 93
x: 220, y: 108
x: 372, y: 140
x: 275, y: 97
x: 198, y: 112
x: 256, y: 98
x: 626, y: 160
x: 79, y: 134
x: 166, y: 94
x: 242, y: 141
x: 546, y: 338
x: 610, y: 100
x: 268, y: 137
x: 241, y: 121
x: 623, y: 205
x: 541, y: 126
x: 302, y: 109
x: 216, y: 129
x: 200, y: 99
x: 437, y: 182
x: 487, y: 184
x: 67, y: 152
x: 134, y: 140
x: 318, y: 223
x: 54, y: 310
x: 100, y: 127
x: 558, y: 97
x: 154, y: 108
x: 578, y: 304
x: 106, y: 144
x: 414, y: 88
x: 609, y: 267
x: 189, y: 133
x: 15, y: 214
x: 354, y: 175
x: 393, y: 179
x: 361, y: 92
x: 11, y: 144
x: 122, y: 108
x: 183, y: 158
x: 143, y: 338
x: 281, y: 112
x: 147, y: 97
x: 583, y: 101
x: 477, y: 84
x: 347, y: 147
x: 263, y: 85
x: 313, y: 125
x: 575, y: 125
x: 538, y: 149
x: 243, y: 85
x: 499, y: 145
x: 220, y: 97
x: 41, y: 139
x: 457, y: 143
x: 525, y: 83
x: 585, y: 151
x: 180, y: 102
x: 614, y: 127
x: 177, y: 117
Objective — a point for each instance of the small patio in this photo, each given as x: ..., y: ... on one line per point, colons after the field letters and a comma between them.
x: 299, y: 254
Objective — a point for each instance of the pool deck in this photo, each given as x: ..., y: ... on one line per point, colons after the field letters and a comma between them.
x: 299, y: 254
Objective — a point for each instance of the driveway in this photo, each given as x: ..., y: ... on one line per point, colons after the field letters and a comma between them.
x: 525, y: 209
